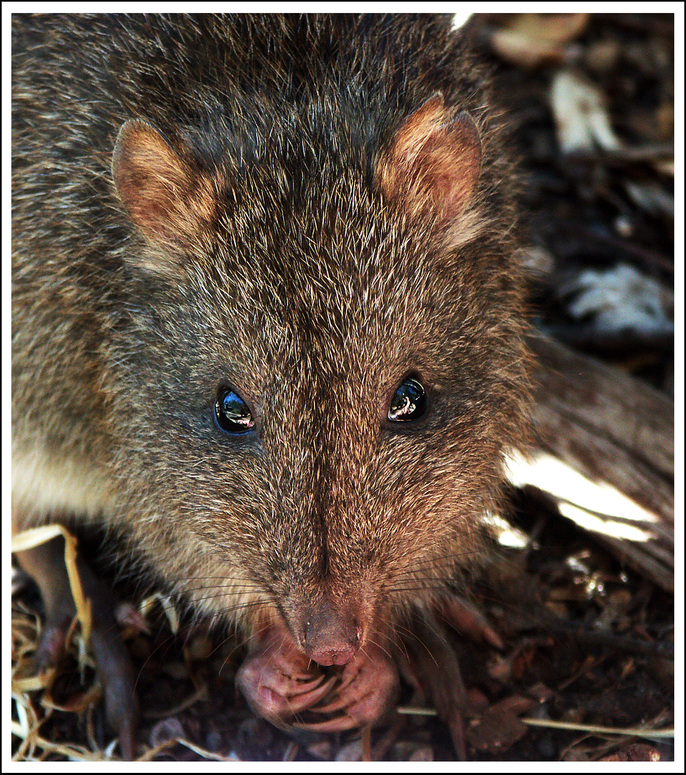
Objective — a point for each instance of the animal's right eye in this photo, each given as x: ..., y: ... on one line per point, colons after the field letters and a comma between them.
x: 231, y: 413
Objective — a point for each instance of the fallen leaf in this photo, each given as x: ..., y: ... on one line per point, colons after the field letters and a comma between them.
x: 497, y: 730
x: 637, y: 752
x: 581, y: 118
x: 551, y: 27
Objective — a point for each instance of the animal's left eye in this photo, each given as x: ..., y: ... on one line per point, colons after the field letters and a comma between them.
x: 231, y: 413
x: 409, y: 402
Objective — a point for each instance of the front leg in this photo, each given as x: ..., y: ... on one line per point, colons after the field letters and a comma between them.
x: 431, y: 664
x: 45, y: 564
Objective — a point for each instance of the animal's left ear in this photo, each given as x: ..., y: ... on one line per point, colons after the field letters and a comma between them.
x: 433, y: 162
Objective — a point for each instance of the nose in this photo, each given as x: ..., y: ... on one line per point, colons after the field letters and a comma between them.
x: 332, y: 635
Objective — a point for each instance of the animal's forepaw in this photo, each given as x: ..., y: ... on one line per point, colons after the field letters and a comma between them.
x: 279, y: 681
x: 366, y: 690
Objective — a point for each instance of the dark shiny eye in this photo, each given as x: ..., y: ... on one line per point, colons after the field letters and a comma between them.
x: 409, y: 401
x: 231, y: 413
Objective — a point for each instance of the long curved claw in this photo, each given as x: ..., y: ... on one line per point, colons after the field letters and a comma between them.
x: 367, y: 691
x: 304, y: 701
x: 340, y: 724
x: 364, y: 689
x: 279, y: 681
x: 302, y: 677
x: 302, y: 687
x: 348, y: 699
x: 333, y: 706
x: 466, y: 619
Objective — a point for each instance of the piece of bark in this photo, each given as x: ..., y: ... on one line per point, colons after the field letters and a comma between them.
x: 604, y: 453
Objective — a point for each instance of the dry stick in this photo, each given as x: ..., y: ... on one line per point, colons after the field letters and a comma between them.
x: 646, y: 733
x: 593, y: 638
x: 590, y: 728
x: 616, y: 432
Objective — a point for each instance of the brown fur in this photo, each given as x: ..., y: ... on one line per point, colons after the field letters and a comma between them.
x: 286, y: 262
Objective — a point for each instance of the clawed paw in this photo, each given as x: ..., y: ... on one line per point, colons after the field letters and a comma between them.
x: 281, y: 684
x: 279, y: 681
x: 365, y: 691
x: 276, y: 695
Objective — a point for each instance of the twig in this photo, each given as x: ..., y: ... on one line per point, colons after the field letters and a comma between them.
x: 592, y: 729
x: 624, y: 156
x: 589, y: 728
x: 620, y: 642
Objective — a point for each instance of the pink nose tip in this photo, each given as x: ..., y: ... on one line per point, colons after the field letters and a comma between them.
x: 336, y: 655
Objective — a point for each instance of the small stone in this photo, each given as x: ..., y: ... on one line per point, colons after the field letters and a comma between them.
x: 167, y: 729
x: 422, y: 754
x: 199, y: 648
x: 320, y: 750
x: 350, y: 752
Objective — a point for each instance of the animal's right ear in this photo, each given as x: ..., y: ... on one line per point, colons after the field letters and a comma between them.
x: 169, y: 202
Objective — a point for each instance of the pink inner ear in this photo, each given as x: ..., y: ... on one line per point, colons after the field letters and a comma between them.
x: 157, y: 188
x: 433, y: 164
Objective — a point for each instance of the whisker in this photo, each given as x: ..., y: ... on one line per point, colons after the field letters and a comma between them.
x: 418, y: 588
x: 380, y: 647
x: 226, y: 589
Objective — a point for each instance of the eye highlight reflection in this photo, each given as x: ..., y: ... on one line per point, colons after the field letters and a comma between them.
x: 231, y: 413
x: 409, y: 402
